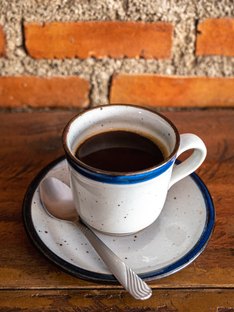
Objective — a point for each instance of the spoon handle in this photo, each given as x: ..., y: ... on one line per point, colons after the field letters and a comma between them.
x: 125, y: 275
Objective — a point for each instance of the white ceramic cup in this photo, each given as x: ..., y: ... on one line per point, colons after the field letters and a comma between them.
x: 124, y: 203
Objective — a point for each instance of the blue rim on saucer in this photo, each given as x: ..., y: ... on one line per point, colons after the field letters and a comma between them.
x: 80, y: 272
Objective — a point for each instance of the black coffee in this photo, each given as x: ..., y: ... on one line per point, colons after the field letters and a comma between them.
x: 120, y: 151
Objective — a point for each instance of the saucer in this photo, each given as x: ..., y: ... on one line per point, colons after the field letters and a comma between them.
x: 172, y: 242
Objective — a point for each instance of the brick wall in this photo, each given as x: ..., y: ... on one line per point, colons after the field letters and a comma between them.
x: 81, y: 53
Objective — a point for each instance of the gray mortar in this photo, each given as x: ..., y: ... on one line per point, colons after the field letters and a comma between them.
x: 182, y: 14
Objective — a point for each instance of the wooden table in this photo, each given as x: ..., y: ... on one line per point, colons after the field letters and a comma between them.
x: 30, y: 282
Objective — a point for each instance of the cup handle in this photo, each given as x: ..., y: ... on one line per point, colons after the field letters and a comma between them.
x: 188, y: 141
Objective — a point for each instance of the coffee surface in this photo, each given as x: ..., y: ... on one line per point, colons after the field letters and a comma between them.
x: 119, y: 151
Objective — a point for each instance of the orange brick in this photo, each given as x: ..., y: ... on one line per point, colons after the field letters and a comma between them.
x: 2, y: 42
x: 99, y: 39
x: 43, y: 92
x: 216, y: 37
x: 156, y: 90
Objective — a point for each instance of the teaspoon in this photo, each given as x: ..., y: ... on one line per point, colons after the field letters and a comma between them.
x: 57, y: 200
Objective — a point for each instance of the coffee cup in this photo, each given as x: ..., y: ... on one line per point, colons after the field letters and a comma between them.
x: 121, y: 161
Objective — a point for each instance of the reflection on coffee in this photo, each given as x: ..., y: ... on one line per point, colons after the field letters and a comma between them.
x: 120, y: 151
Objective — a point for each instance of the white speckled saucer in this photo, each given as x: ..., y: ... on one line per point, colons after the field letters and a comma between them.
x: 172, y: 242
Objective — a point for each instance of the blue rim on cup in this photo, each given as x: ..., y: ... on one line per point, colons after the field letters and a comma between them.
x: 117, y: 177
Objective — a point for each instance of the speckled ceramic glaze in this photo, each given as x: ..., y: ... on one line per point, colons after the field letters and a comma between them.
x: 125, y: 203
x: 173, y: 241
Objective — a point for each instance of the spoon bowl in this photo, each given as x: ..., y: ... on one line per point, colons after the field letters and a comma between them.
x: 57, y: 199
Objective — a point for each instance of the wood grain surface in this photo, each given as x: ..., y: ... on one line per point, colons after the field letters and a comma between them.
x: 28, y: 281
x: 162, y: 300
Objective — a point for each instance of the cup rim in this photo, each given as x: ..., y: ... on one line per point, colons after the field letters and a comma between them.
x: 94, y: 170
